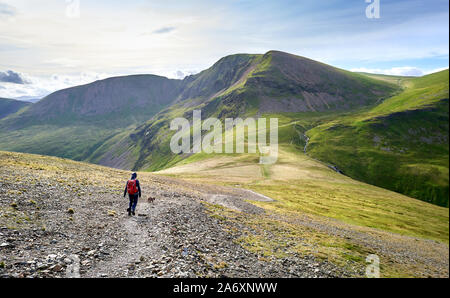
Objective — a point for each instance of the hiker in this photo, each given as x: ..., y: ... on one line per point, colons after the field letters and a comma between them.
x: 134, y: 192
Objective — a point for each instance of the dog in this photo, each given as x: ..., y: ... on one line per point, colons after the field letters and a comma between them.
x: 150, y: 199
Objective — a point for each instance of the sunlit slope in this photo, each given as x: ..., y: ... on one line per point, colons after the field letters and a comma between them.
x: 401, y: 144
x: 74, y: 122
x: 303, y: 185
x: 246, y: 85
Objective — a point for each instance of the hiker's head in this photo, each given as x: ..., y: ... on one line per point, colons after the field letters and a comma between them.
x: 133, y: 176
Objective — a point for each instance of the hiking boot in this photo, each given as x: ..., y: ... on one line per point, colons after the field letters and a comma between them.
x: 129, y: 211
x: 133, y: 212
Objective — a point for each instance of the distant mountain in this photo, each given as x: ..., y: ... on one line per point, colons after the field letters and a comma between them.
x: 118, y: 101
x: 245, y: 85
x: 77, y: 121
x: 32, y: 99
x: 11, y: 106
x: 281, y: 82
x: 73, y: 122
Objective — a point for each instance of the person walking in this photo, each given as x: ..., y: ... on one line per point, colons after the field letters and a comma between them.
x: 134, y: 192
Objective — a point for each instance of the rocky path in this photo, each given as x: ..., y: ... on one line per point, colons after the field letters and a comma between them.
x: 138, y: 242
x: 175, y: 237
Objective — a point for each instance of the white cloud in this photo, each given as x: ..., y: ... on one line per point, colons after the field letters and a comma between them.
x: 399, y: 71
x: 63, y: 62
x: 7, y: 10
x: 115, y: 37
x: 180, y: 74
x: 164, y: 30
x: 10, y: 76
x: 38, y: 87
x: 41, y: 86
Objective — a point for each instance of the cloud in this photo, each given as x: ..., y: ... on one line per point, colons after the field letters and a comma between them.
x: 10, y: 76
x: 7, y: 10
x: 399, y: 71
x: 179, y: 74
x: 63, y: 62
x: 164, y: 30
x: 395, y: 71
x: 39, y: 87
x: 43, y: 41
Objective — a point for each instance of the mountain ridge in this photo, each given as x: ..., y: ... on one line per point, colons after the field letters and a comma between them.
x: 248, y: 96
x: 103, y: 97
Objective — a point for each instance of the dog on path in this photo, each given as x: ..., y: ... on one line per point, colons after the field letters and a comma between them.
x: 150, y: 199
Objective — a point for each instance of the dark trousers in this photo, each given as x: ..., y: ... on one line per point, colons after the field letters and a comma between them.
x: 133, y: 202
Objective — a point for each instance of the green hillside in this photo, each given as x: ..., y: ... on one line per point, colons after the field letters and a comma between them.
x: 401, y: 144
x: 11, y: 106
x: 74, y: 122
x: 249, y: 85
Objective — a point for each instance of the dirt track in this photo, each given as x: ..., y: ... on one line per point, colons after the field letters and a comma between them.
x: 68, y: 215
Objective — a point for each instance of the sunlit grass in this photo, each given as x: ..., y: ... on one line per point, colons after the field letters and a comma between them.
x: 301, y: 184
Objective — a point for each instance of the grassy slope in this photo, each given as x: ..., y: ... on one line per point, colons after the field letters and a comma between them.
x: 242, y: 83
x: 305, y: 188
x: 401, y: 144
x: 73, y: 141
x: 11, y: 106
x: 75, y: 122
x: 305, y: 185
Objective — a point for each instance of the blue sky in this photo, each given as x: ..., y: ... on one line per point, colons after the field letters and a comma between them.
x: 51, y: 45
